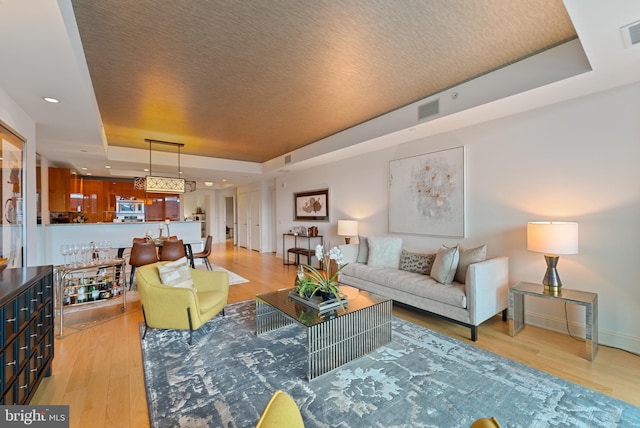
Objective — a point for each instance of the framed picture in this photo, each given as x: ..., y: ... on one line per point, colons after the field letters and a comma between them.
x: 311, y: 205
x: 426, y: 194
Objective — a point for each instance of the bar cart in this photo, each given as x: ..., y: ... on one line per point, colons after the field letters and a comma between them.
x: 87, y: 284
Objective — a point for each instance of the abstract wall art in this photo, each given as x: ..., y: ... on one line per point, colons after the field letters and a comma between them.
x: 426, y: 194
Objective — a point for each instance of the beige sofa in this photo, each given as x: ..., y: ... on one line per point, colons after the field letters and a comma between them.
x: 482, y: 295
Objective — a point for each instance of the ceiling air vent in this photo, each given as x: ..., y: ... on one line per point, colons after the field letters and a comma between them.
x: 429, y: 109
x: 631, y: 34
x: 287, y: 159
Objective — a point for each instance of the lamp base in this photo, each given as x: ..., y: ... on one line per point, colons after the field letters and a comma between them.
x: 551, y: 280
x: 347, y: 240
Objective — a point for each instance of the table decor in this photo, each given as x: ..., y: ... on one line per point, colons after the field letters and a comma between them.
x: 319, y: 288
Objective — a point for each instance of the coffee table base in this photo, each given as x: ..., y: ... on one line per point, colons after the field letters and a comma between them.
x: 336, y: 341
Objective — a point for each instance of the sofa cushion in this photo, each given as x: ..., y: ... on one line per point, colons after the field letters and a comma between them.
x: 384, y: 251
x: 408, y: 282
x: 363, y: 249
x: 416, y: 262
x: 466, y: 257
x: 176, y: 273
x: 445, y: 265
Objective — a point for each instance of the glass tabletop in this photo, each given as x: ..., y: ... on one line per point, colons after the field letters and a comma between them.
x: 308, y: 316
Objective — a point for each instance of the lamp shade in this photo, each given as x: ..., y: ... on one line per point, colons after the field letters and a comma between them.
x: 347, y: 227
x: 552, y: 237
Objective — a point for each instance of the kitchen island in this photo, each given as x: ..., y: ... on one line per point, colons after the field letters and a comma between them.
x: 52, y: 236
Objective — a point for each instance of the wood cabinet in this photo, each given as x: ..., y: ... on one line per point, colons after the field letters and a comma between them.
x: 26, y: 338
x: 59, y: 190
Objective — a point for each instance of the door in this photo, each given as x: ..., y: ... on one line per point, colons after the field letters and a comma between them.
x: 254, y: 215
x: 243, y: 232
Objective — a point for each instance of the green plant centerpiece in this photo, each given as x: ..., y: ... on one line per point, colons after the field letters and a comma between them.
x: 321, y: 284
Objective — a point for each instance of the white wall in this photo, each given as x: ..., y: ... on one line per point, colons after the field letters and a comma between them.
x: 575, y: 160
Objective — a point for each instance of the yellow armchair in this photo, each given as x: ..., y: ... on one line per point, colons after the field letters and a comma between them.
x: 181, y: 308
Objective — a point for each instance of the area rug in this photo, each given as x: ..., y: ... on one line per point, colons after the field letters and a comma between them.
x: 234, y: 278
x: 420, y: 379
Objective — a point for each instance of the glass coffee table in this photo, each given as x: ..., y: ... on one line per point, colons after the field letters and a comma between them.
x: 334, y: 337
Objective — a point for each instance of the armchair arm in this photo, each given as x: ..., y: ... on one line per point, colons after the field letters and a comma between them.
x: 487, y: 288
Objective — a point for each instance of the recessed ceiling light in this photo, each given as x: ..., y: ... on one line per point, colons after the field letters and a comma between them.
x: 224, y: 180
x: 180, y: 172
x: 88, y: 173
x: 107, y: 166
x: 208, y: 183
x: 51, y: 100
x: 84, y: 168
x: 146, y: 170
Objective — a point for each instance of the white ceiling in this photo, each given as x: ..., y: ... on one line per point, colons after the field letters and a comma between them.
x: 42, y: 56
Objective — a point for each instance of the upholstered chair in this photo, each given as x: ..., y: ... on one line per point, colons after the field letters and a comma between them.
x: 142, y: 253
x: 204, y: 254
x: 172, y: 249
x: 281, y: 411
x: 182, y: 306
x: 485, y: 423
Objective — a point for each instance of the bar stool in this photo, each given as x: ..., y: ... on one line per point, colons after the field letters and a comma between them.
x: 142, y: 253
x: 204, y: 254
x: 172, y: 250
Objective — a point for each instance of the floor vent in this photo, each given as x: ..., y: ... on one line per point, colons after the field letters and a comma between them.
x: 631, y: 34
x: 429, y: 109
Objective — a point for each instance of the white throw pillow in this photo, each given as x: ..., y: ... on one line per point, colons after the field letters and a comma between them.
x: 467, y: 257
x: 445, y: 265
x: 363, y: 249
x: 384, y: 251
x: 176, y: 273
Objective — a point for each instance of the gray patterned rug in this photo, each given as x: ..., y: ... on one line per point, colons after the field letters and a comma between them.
x: 420, y: 379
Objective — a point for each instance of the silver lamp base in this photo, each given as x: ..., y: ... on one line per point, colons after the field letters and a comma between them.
x: 551, y: 280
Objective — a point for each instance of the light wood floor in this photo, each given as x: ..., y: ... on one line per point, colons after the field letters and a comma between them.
x: 97, y: 368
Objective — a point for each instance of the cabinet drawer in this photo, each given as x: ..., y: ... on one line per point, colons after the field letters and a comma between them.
x: 10, y: 318
x: 23, y: 309
x: 10, y: 363
x: 22, y: 347
x: 21, y: 387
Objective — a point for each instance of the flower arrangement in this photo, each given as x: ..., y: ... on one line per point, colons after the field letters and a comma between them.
x: 319, y: 281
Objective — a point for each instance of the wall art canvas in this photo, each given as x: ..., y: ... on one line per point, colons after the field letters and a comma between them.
x: 426, y: 194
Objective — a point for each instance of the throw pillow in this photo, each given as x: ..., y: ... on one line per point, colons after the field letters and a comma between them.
x: 472, y: 255
x: 416, y: 262
x: 384, y: 251
x: 176, y: 273
x: 445, y: 265
x: 363, y: 249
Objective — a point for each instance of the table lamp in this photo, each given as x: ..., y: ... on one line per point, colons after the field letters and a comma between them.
x: 552, y: 238
x: 347, y: 228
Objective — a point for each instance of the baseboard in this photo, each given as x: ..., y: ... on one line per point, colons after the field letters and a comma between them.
x: 605, y: 337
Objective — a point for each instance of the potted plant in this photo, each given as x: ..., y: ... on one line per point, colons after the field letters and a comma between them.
x: 320, y: 284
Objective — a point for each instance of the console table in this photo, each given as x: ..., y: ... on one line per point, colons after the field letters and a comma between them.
x: 582, y: 298
x: 308, y: 251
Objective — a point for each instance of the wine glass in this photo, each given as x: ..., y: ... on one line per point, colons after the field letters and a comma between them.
x: 65, y: 250
x: 75, y: 248
x: 109, y: 252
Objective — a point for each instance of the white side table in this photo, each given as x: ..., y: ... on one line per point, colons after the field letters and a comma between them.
x: 582, y: 298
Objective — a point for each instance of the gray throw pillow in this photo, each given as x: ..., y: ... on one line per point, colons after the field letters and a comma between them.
x: 363, y: 249
x: 445, y: 265
x: 416, y: 262
x: 467, y: 257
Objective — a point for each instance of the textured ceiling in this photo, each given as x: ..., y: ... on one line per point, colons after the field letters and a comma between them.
x: 253, y: 80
